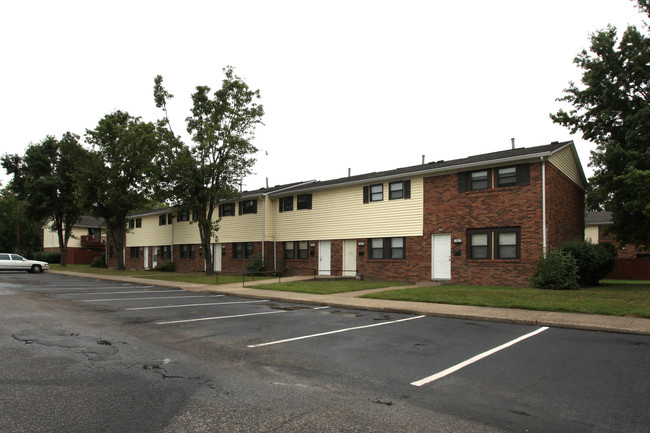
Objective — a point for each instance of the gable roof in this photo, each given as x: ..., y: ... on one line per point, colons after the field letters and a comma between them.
x: 518, y: 155
x: 90, y: 222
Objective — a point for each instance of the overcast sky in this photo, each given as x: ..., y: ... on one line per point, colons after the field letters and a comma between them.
x: 366, y: 85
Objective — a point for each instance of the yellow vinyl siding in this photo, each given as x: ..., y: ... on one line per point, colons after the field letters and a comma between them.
x: 567, y: 163
x: 591, y: 234
x: 341, y: 214
x: 150, y: 234
x: 51, y: 238
x: 243, y: 228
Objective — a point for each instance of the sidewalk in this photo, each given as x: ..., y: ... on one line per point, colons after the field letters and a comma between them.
x: 630, y: 325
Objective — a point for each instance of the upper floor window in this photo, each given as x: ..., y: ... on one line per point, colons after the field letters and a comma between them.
x: 227, y: 209
x: 184, y: 215
x: 500, y: 177
x: 138, y: 223
x: 387, y: 248
x: 162, y: 220
x: 303, y: 201
x: 131, y: 223
x: 247, y: 206
x: 400, y: 189
x: 286, y: 204
x: 373, y: 193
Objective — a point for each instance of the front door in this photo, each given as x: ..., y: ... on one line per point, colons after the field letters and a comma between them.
x: 349, y: 258
x: 324, y: 258
x: 146, y: 258
x: 154, y: 258
x: 216, y: 257
x: 441, y: 257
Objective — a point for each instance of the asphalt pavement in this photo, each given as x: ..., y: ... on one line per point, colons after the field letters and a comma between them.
x: 593, y: 322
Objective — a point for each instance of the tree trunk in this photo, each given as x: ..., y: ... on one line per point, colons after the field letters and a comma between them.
x: 63, y: 247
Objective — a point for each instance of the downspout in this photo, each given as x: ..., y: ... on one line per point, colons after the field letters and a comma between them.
x: 543, y: 206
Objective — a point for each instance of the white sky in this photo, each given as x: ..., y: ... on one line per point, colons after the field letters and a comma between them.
x: 366, y: 85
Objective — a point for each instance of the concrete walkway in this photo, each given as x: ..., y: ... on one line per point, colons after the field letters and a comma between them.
x: 630, y: 325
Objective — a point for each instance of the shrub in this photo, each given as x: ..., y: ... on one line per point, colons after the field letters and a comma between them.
x: 99, y: 261
x: 594, y: 261
x: 49, y: 257
x: 166, y: 266
x: 557, y: 271
x: 256, y: 266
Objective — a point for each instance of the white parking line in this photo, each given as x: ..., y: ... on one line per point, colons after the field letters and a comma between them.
x: 233, y: 316
x: 121, y: 293
x: 195, y: 305
x: 474, y: 359
x: 148, y: 298
x: 41, y: 289
x: 334, y: 332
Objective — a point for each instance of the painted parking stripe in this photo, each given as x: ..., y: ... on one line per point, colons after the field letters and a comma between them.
x: 122, y: 293
x: 476, y: 358
x: 148, y: 298
x: 232, y: 317
x: 338, y: 331
x: 194, y: 305
x: 85, y: 288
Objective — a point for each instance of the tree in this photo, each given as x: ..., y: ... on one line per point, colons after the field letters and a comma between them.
x: 19, y: 232
x: 222, y: 128
x: 46, y: 179
x: 612, y: 109
x: 125, y: 165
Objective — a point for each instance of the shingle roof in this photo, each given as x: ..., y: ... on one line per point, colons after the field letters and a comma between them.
x: 89, y: 222
x: 598, y: 218
x: 486, y: 159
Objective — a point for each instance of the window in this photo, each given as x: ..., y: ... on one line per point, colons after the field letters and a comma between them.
x: 479, y: 180
x: 507, y: 176
x: 165, y: 252
x: 4, y: 256
x: 138, y: 223
x: 296, y: 250
x: 373, y: 193
x: 134, y: 252
x: 131, y: 224
x: 187, y: 251
x: 243, y: 250
x: 503, y: 177
x: 479, y: 245
x: 401, y: 189
x: 500, y: 244
x: 507, y: 245
x: 286, y: 204
x: 247, y: 206
x: 162, y: 220
x: 303, y: 201
x: 184, y: 215
x: 170, y: 218
x: 387, y: 248
x: 227, y: 209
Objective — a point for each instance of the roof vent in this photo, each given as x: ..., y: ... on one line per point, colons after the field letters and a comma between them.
x: 512, y: 140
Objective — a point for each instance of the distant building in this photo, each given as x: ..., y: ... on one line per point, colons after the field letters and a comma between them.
x: 88, y: 240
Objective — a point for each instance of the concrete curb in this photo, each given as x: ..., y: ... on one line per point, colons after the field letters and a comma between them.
x: 628, y: 325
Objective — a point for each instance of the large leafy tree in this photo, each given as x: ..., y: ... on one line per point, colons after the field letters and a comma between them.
x: 120, y: 177
x: 222, y: 127
x: 611, y: 108
x: 46, y: 179
x: 19, y: 232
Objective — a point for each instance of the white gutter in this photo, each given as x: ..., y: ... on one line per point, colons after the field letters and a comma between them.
x: 543, y: 206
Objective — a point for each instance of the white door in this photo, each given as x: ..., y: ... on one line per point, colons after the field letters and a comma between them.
x: 154, y: 258
x: 441, y: 257
x: 216, y: 257
x: 146, y: 258
x: 349, y: 258
x: 324, y: 258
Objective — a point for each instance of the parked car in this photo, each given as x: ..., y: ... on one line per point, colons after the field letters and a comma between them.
x: 14, y: 262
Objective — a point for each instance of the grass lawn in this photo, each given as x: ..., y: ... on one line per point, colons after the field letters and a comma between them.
x: 615, y: 298
x: 327, y: 287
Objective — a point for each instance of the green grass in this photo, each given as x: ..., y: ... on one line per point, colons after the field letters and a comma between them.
x: 327, y: 287
x: 615, y: 298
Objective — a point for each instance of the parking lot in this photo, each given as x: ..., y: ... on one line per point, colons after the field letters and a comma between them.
x: 411, y: 372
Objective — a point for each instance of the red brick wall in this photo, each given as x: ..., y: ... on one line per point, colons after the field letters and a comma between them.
x: 565, y: 206
x: 196, y: 264
x: 446, y: 210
